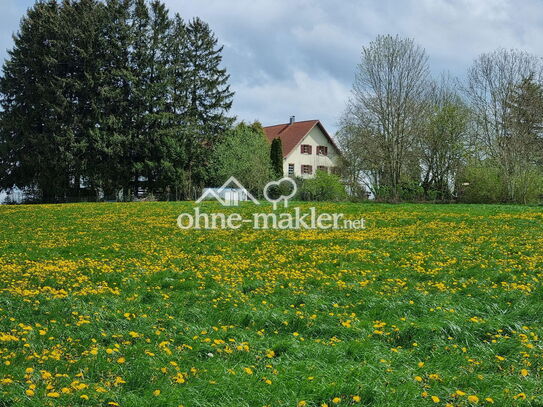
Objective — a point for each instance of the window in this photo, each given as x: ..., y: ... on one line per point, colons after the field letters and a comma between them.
x: 322, y: 150
x: 307, y: 169
x: 305, y: 149
x: 322, y: 168
x: 291, y: 170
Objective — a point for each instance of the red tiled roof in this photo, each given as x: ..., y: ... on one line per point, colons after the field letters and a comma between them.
x: 292, y: 134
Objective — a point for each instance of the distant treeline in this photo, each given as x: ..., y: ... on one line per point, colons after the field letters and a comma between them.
x: 103, y: 97
x: 406, y: 136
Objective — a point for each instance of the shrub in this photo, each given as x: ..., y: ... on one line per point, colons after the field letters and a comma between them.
x: 480, y: 183
x: 324, y: 187
x: 411, y: 191
x: 527, y: 186
x: 408, y: 191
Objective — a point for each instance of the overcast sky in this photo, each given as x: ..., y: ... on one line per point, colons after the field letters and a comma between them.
x: 297, y: 57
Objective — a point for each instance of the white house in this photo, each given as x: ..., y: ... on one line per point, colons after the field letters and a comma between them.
x: 307, y: 147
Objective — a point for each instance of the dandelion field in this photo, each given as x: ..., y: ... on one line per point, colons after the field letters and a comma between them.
x: 113, y: 305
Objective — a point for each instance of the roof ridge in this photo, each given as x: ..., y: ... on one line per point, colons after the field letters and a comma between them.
x: 289, y: 124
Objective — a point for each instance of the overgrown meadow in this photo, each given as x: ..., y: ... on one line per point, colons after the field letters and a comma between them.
x: 113, y: 305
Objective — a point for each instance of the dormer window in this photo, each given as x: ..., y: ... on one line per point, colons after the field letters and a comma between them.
x: 322, y: 150
x: 305, y: 149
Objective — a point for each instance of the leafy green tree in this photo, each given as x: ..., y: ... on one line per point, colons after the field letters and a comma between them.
x: 276, y: 156
x: 243, y: 153
x: 140, y: 99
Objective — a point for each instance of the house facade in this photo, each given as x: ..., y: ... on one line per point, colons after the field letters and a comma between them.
x: 307, y: 148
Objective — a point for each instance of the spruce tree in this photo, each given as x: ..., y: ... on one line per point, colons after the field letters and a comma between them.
x: 109, y: 93
x: 110, y: 163
x: 209, y: 100
x: 159, y: 139
x: 140, y: 67
x: 178, y: 106
x: 35, y: 142
x: 81, y: 64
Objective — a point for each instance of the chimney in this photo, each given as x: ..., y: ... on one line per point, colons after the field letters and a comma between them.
x: 292, y: 119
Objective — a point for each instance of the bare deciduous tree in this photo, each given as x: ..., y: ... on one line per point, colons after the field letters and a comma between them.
x: 387, y: 110
x: 442, y: 142
x: 492, y: 82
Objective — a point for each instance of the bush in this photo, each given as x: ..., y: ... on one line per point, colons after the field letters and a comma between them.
x: 486, y: 182
x: 480, y: 183
x: 408, y: 191
x: 411, y: 191
x: 324, y: 187
x: 527, y: 187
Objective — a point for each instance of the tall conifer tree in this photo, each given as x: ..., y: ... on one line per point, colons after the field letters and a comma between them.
x: 209, y: 99
x: 113, y: 93
x: 276, y: 156
x: 36, y: 146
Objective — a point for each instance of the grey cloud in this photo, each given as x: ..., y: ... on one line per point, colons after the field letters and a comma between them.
x: 299, y: 56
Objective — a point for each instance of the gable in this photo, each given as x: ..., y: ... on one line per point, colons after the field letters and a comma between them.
x: 292, y: 135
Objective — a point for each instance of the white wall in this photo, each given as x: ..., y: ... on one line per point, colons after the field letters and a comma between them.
x: 314, y: 138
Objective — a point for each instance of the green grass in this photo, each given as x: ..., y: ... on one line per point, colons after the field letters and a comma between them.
x: 427, y: 301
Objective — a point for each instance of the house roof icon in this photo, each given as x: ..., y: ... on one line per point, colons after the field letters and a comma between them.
x: 216, y: 193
